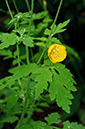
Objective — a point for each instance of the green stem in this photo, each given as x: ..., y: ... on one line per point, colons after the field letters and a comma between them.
x: 27, y: 88
x: 32, y: 6
x: 15, y: 6
x: 17, y: 46
x: 18, y: 55
x: 25, y: 104
x: 28, y: 6
x: 27, y: 49
x: 58, y: 12
x: 27, y: 54
x: 50, y: 35
x: 15, y: 28
x: 42, y: 54
x: 29, y: 114
x: 9, y: 9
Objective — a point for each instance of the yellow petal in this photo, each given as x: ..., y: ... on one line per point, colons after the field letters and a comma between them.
x: 57, y: 53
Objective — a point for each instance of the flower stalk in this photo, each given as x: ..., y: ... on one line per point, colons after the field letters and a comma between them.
x: 9, y: 9
x: 50, y: 35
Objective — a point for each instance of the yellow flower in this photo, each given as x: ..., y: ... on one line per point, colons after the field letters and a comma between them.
x: 57, y: 53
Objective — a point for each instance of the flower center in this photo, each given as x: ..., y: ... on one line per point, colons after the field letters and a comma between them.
x: 55, y: 51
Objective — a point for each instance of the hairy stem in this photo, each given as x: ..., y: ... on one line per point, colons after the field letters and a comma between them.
x: 50, y: 35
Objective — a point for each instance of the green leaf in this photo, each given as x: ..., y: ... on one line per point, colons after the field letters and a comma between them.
x: 44, y: 39
x: 11, y: 119
x: 56, y: 29
x: 53, y: 118
x: 3, y: 81
x: 61, y: 25
x: 61, y: 86
x: 21, y: 30
x: 55, y: 40
x: 73, y: 125
x: 73, y: 52
x: 47, y: 32
x: 39, y: 15
x: 20, y: 17
x: 5, y: 53
x: 40, y: 125
x: 44, y: 104
x: 25, y: 127
x: 40, y: 44
x: 7, y: 40
x: 74, y: 107
x: 11, y: 101
x: 24, y: 69
x: 19, y: 72
x: 28, y: 41
x: 42, y: 80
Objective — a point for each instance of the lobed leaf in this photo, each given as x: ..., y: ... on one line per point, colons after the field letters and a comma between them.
x: 20, y: 16
x: 39, y: 15
x: 6, y: 53
x: 56, y: 29
x: 7, y: 40
x: 47, y: 31
x: 62, y: 25
x: 55, y: 40
x: 28, y: 41
x: 73, y: 125
x: 40, y: 125
x: 3, y: 81
x: 61, y: 86
x: 52, y: 118
x: 25, y: 127
x: 10, y: 119
x: 44, y: 76
x: 19, y: 72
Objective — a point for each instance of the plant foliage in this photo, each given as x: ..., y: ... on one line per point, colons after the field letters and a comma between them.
x: 33, y: 79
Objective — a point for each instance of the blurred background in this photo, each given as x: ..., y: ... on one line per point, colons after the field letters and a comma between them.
x: 74, y: 37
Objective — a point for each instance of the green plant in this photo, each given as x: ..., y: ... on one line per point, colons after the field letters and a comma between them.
x: 35, y: 79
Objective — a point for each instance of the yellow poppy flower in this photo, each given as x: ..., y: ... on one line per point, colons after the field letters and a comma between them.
x: 57, y: 53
